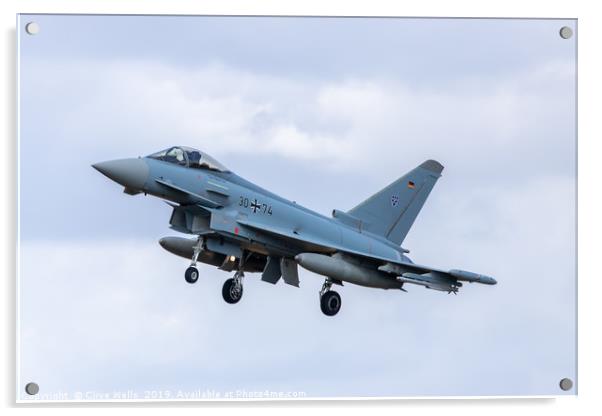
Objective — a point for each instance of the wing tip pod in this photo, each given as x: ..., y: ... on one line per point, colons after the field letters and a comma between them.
x: 432, y: 166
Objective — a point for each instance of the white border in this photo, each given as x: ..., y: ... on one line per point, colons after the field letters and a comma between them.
x: 18, y: 204
x: 589, y: 206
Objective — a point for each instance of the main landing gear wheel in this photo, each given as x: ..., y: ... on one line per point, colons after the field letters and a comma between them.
x: 232, y: 290
x: 191, y: 275
x: 330, y: 303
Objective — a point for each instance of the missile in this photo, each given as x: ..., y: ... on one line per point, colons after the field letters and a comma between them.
x: 472, y: 277
x: 337, y: 267
x: 438, y: 277
x: 431, y: 282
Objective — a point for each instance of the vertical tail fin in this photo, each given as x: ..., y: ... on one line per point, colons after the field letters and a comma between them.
x: 392, y: 211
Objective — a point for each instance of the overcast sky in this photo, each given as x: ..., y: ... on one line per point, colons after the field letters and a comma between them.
x: 324, y: 112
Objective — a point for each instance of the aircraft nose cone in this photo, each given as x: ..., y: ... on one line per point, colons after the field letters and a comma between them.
x: 131, y: 173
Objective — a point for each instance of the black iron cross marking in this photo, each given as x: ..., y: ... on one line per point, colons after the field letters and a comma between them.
x: 255, y: 206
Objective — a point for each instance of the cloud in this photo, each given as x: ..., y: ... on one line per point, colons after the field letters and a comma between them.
x: 340, y: 123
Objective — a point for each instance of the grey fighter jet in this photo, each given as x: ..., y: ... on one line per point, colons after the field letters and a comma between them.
x: 238, y: 226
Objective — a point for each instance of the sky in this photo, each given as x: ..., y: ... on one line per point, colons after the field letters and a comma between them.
x: 323, y: 111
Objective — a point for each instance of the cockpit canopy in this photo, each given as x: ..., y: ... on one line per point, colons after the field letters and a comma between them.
x: 189, y: 157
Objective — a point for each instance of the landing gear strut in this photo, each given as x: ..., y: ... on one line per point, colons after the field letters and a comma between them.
x: 330, y: 301
x: 192, y: 274
x: 232, y: 290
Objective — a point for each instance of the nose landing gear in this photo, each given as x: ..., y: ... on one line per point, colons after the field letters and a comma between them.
x: 192, y: 273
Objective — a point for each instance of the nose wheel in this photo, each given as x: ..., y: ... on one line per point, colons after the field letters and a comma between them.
x: 330, y: 301
x: 192, y: 273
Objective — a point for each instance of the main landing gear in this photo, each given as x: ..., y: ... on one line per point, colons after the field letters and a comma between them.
x: 330, y: 301
x: 192, y: 273
x: 232, y: 290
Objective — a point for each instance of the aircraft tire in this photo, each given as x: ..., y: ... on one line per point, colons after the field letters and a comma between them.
x: 191, y: 275
x: 330, y: 303
x: 228, y: 292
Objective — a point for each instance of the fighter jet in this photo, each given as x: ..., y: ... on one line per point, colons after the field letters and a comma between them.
x: 238, y: 226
